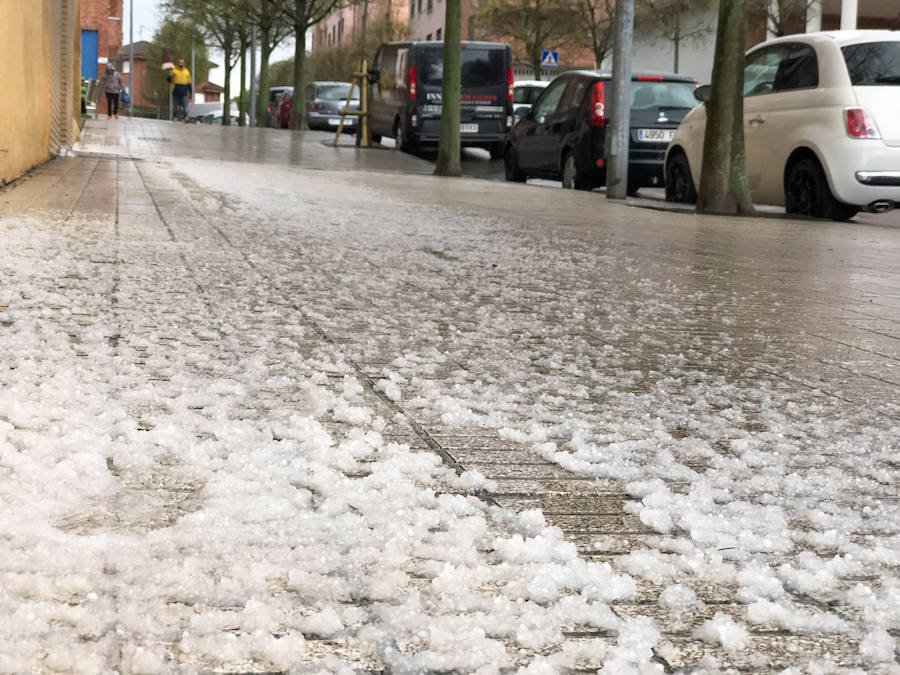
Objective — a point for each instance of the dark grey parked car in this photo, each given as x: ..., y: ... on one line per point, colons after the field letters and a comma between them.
x: 325, y: 101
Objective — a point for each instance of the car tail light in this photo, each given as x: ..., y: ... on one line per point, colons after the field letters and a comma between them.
x: 509, y: 84
x: 413, y: 72
x: 649, y: 78
x: 860, y: 124
x: 598, y: 105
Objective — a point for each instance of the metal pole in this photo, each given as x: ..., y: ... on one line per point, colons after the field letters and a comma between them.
x: 131, y: 58
x: 193, y: 89
x: 252, y: 76
x: 618, y: 131
x: 848, y: 14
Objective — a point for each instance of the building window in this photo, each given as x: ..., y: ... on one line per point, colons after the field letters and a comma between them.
x: 420, y: 6
x: 412, y: 9
x: 126, y: 66
x: 437, y: 35
x: 428, y: 37
x: 430, y: 6
x: 341, y: 31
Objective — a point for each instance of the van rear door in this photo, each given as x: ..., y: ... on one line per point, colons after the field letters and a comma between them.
x: 484, y: 90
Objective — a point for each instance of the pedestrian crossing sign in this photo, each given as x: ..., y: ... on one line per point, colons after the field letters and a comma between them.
x: 549, y: 59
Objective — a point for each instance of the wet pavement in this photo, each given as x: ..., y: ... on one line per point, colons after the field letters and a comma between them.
x: 611, y: 365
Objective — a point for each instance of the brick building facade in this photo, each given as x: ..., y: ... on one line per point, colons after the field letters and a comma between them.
x: 101, y: 38
x: 122, y: 62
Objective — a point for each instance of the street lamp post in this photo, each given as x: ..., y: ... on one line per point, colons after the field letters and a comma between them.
x: 131, y: 58
x: 620, y: 114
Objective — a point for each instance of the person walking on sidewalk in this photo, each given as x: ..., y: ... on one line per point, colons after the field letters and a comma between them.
x: 181, y: 89
x: 113, y: 86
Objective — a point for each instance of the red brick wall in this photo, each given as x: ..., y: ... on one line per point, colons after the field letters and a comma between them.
x: 95, y: 15
x: 140, y: 67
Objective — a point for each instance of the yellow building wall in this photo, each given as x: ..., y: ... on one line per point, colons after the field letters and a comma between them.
x: 25, y: 77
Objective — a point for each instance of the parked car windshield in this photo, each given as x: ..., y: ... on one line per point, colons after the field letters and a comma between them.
x: 480, y: 67
x: 662, y: 94
x: 873, y: 63
x: 335, y: 92
x: 526, y: 94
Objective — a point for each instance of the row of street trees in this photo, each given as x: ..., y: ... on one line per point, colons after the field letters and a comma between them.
x: 536, y: 25
x: 231, y: 25
x: 533, y: 25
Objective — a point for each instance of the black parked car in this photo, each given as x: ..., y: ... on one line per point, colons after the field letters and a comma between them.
x: 563, y: 135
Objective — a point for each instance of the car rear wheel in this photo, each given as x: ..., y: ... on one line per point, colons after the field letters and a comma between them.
x: 679, y: 184
x: 402, y: 141
x: 572, y: 178
x: 806, y: 193
x: 511, y: 166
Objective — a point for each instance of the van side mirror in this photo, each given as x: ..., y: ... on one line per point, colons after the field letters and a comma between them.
x: 702, y: 93
x: 374, y: 75
x: 523, y: 112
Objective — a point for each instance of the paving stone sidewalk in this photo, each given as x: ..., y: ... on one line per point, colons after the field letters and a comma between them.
x: 703, y: 343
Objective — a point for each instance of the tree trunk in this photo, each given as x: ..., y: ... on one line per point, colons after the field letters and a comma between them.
x: 298, y: 110
x: 677, y: 46
x: 262, y: 97
x: 723, y: 184
x: 448, y: 150
x: 535, y: 57
x: 226, y: 106
x: 363, y: 21
x: 242, y: 98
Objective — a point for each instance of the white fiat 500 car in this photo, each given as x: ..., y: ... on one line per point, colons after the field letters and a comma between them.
x: 821, y: 126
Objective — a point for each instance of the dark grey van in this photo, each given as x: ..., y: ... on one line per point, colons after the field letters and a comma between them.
x: 406, y: 94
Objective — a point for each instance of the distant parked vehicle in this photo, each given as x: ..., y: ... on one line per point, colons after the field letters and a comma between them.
x: 563, y: 136
x: 279, y: 117
x: 285, y: 104
x: 216, y: 118
x: 821, y: 126
x: 273, y: 92
x: 525, y: 93
x: 324, y: 102
x: 406, y: 94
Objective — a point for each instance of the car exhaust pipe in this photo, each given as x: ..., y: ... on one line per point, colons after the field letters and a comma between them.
x: 881, y: 206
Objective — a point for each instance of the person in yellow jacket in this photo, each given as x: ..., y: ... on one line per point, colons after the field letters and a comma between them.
x: 181, y: 89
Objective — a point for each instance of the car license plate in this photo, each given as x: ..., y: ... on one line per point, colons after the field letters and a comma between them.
x: 468, y: 128
x: 334, y: 121
x: 655, y: 135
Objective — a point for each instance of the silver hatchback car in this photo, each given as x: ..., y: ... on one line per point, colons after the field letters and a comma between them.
x: 326, y: 100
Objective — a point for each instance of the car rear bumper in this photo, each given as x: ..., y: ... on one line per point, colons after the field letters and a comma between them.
x: 880, y: 178
x: 490, y: 131
x: 863, y: 172
x: 645, y: 165
x: 330, y: 119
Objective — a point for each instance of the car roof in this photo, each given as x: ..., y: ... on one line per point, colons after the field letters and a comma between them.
x: 531, y: 83
x: 472, y: 43
x: 669, y: 77
x: 838, y: 37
